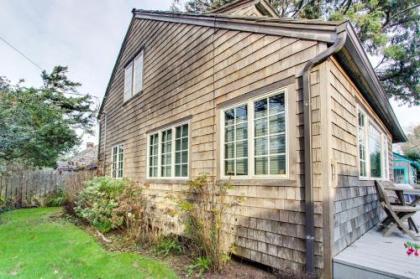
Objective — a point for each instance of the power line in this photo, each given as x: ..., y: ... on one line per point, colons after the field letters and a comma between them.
x: 21, y: 53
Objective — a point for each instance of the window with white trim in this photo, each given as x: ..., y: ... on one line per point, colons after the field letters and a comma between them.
x: 133, y: 76
x: 168, y: 152
x: 254, y: 138
x: 117, y: 167
x: 373, y: 149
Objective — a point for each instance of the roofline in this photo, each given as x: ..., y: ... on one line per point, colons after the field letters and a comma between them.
x: 352, y: 57
x: 234, y: 4
x: 309, y: 30
x: 114, y: 69
x: 355, y: 61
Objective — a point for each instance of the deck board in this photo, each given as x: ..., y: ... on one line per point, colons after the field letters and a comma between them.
x: 376, y: 256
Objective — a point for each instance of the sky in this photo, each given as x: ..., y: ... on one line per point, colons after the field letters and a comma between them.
x: 84, y: 35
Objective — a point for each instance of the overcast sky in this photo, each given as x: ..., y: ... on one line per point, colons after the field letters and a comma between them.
x: 86, y: 36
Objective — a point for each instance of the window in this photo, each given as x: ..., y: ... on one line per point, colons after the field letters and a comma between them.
x: 254, y: 138
x: 168, y: 152
x: 399, y: 176
x: 133, y: 77
x: 373, y: 149
x: 117, y: 168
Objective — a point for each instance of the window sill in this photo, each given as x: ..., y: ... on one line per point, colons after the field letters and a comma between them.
x: 132, y: 98
x: 373, y: 178
x: 281, y: 181
x: 182, y: 181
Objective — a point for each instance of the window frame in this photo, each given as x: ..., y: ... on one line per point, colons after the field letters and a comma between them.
x: 384, y: 147
x: 120, y: 149
x: 173, y: 152
x: 251, y: 137
x: 131, y: 64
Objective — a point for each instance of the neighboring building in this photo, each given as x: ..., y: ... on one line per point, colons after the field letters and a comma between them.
x: 406, y: 171
x: 289, y: 111
x: 85, y: 159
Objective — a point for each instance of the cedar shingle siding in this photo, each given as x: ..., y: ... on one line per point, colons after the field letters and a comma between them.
x: 192, y: 72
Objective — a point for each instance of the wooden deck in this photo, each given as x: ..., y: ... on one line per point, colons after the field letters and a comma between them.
x: 375, y: 256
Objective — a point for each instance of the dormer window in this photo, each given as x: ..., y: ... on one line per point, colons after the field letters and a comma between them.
x: 133, y: 76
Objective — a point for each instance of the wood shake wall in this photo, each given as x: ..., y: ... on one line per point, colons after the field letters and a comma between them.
x: 191, y: 71
x: 355, y: 205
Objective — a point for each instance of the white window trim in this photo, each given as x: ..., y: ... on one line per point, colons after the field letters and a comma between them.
x: 250, y: 121
x: 384, y: 140
x: 159, y: 132
x: 117, y: 162
x: 131, y: 64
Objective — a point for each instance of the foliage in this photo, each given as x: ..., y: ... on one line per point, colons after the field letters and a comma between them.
x: 99, y: 200
x: 44, y: 245
x: 200, y: 266
x: 110, y: 204
x: 55, y: 199
x: 388, y: 30
x: 203, y: 214
x: 37, y: 125
x: 167, y: 245
x: 411, y: 148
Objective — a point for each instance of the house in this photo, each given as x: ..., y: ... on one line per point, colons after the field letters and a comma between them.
x: 289, y: 111
x: 406, y: 171
x: 85, y: 159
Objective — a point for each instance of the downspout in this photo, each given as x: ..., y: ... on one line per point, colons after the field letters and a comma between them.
x: 308, y: 172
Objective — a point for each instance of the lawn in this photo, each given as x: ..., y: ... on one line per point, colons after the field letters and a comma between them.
x: 34, y: 245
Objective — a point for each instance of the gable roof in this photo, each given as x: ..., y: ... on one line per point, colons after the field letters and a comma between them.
x: 352, y: 57
x: 263, y: 7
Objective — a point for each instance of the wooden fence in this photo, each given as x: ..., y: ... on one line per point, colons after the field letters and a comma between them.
x: 26, y: 188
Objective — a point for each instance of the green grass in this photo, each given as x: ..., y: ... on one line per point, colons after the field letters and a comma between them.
x: 33, y: 245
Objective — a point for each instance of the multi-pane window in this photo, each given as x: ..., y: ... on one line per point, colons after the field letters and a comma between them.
x: 254, y: 138
x: 375, y: 152
x: 362, y: 145
x: 236, y: 141
x: 153, y: 155
x: 133, y: 76
x: 373, y: 149
x: 117, y: 168
x: 269, y: 136
x: 399, y: 176
x: 181, y: 151
x: 168, y: 153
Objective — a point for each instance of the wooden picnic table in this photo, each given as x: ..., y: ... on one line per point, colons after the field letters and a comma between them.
x: 400, y: 191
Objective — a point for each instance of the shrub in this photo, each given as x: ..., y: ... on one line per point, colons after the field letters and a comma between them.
x: 110, y: 204
x: 55, y: 199
x: 98, y: 200
x: 200, y: 266
x: 203, y: 213
x: 168, y: 245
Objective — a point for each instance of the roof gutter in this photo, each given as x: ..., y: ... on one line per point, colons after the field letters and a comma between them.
x: 308, y: 172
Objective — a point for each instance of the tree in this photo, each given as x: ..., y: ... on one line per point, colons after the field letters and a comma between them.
x: 388, y: 30
x: 411, y: 148
x: 37, y: 125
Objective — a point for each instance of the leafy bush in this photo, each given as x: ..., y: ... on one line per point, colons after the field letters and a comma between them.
x: 98, y: 200
x: 200, y: 266
x: 110, y: 204
x: 55, y: 199
x: 203, y: 213
x: 168, y: 245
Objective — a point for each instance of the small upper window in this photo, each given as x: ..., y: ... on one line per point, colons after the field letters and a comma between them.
x: 133, y: 76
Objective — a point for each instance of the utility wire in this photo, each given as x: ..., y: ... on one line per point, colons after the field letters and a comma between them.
x: 21, y: 53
